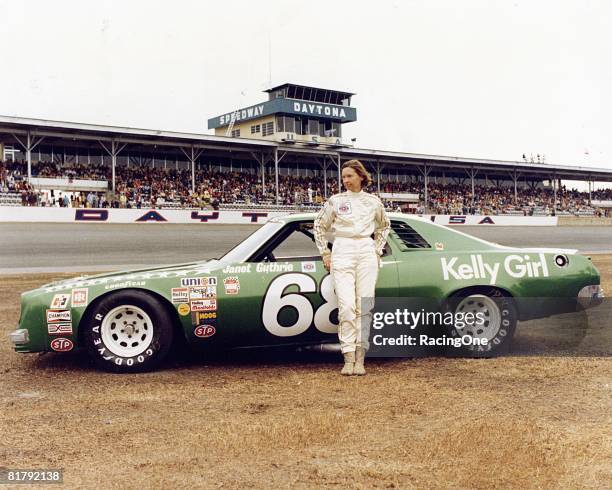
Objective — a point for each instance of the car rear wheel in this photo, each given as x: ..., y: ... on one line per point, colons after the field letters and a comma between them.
x: 485, y: 323
x: 128, y: 331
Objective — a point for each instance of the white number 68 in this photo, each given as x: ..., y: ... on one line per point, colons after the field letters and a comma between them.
x: 275, y: 301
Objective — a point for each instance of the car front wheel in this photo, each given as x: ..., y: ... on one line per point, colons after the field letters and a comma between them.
x: 128, y: 331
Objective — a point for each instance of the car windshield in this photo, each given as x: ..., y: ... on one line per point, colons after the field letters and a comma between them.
x: 244, y: 249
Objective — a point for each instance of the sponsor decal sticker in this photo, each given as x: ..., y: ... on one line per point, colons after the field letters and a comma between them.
x: 439, y: 246
x: 345, y: 208
x: 198, y: 281
x: 202, y: 292
x: 58, y: 316
x: 204, y: 331
x: 309, y: 267
x: 204, y: 305
x: 59, y: 328
x: 62, y: 345
x: 80, y: 297
x: 237, y: 269
x: 60, y: 301
x: 126, y: 284
x: 272, y: 267
x: 231, y: 285
x: 475, y: 267
x: 183, y: 309
x: 180, y: 295
x: 203, y: 316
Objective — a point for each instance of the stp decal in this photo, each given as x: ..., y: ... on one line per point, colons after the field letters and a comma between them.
x: 62, y: 345
x: 204, y: 331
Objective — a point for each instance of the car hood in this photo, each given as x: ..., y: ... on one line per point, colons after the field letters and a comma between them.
x: 136, y: 274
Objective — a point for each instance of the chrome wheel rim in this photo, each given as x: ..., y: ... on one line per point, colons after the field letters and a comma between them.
x: 127, y: 331
x: 484, y: 307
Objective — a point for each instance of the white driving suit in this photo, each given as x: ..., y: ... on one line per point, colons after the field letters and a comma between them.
x: 352, y: 218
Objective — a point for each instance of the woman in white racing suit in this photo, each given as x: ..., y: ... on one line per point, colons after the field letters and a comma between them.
x: 359, y: 226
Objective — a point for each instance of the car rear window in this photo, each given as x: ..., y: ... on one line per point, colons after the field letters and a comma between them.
x: 407, y: 237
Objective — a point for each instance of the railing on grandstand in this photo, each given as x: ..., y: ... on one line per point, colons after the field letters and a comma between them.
x: 15, y: 199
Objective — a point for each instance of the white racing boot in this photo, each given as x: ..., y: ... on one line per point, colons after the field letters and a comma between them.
x: 349, y: 363
x: 359, y: 368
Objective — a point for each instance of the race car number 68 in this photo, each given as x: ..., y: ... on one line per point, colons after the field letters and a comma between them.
x: 274, y: 301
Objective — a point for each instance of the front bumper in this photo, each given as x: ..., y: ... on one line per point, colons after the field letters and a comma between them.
x: 19, y: 337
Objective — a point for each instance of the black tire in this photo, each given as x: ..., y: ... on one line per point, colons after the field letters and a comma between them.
x: 499, y: 324
x: 120, y: 338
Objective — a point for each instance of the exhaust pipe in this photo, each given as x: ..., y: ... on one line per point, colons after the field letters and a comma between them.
x: 320, y: 348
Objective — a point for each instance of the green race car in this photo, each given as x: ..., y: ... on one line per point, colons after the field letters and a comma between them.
x: 272, y: 290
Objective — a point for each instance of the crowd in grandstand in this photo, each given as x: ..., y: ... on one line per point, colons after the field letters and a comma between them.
x: 145, y: 186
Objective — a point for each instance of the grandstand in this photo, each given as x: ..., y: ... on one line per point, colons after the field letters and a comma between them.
x: 55, y: 163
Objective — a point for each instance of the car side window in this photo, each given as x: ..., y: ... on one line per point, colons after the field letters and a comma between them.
x: 299, y: 243
x: 407, y: 238
x: 294, y: 241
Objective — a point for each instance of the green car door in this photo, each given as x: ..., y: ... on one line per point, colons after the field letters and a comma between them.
x: 286, y: 294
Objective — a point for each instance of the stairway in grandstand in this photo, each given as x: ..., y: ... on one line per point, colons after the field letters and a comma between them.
x: 10, y: 199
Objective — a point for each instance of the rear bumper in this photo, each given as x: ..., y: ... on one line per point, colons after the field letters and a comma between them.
x: 590, y: 296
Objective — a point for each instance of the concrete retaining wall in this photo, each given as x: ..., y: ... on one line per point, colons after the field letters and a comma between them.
x: 584, y: 221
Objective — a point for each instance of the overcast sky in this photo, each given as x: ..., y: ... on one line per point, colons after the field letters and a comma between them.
x: 472, y: 78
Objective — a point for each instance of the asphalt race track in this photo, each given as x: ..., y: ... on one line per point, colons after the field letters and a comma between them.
x: 50, y: 247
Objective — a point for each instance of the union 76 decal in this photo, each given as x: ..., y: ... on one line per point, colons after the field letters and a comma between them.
x: 275, y: 301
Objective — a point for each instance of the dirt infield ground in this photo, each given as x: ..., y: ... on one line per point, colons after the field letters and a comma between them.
x: 540, y: 417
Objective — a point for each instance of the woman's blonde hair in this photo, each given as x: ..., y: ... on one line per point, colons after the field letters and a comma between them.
x: 357, y: 166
